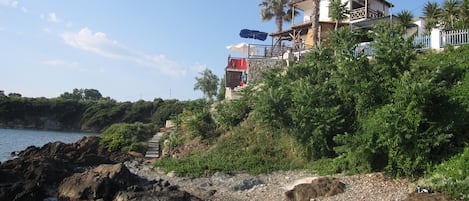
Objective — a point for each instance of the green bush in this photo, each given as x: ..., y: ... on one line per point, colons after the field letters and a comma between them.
x: 174, y: 138
x: 127, y: 137
x: 198, y: 123
x: 452, y: 176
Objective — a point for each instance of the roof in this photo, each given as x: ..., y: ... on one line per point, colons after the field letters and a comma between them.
x: 302, y: 26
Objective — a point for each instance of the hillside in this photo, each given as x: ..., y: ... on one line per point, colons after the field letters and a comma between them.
x: 402, y: 112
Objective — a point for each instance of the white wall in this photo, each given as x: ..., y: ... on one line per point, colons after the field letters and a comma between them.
x: 323, y: 12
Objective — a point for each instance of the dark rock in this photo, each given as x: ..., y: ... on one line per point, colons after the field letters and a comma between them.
x: 102, y: 182
x: 116, y: 182
x: 36, y: 172
x: 427, y: 197
x: 155, y: 196
x: 325, y: 186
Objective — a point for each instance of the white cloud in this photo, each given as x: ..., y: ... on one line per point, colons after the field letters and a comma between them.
x: 100, y: 44
x: 52, y: 17
x: 5, y: 2
x: 14, y: 4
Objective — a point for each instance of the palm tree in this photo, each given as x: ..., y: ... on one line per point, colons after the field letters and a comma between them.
x: 464, y: 18
x: 315, y: 22
x: 404, y: 18
x: 432, y: 13
x: 450, y: 13
x: 277, y: 9
x: 338, y: 11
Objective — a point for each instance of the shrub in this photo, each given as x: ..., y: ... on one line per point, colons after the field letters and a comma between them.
x: 127, y: 137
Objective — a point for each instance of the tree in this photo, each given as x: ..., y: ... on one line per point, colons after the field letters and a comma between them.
x: 13, y: 94
x: 315, y: 22
x: 338, y: 11
x: 432, y: 13
x: 222, y: 90
x: 450, y: 13
x: 207, y: 83
x: 277, y: 9
x: 404, y: 18
x: 464, y: 18
x: 91, y: 94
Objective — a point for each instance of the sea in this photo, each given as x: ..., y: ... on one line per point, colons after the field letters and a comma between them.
x: 12, y: 140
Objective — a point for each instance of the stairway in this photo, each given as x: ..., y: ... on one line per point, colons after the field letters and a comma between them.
x: 153, y: 150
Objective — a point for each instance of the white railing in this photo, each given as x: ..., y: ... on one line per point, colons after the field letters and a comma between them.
x: 455, y: 37
x: 423, y: 41
x: 364, y: 49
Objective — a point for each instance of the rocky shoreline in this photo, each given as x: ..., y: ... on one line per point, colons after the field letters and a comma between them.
x: 86, y: 171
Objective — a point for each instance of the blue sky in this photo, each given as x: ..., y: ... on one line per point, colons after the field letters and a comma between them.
x: 128, y: 50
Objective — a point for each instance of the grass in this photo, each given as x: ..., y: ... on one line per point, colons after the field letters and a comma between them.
x: 244, y: 149
x: 452, y: 177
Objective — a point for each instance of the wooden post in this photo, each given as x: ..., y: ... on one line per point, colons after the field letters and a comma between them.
x: 366, y: 9
x: 293, y: 16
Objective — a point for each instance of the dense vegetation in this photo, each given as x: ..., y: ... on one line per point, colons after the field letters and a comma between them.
x: 83, y: 110
x: 401, y: 112
x: 127, y: 137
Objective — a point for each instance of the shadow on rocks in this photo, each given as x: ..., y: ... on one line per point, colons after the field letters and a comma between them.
x: 116, y: 182
x: 36, y: 173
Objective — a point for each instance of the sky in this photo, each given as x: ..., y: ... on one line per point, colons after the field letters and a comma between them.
x: 128, y: 50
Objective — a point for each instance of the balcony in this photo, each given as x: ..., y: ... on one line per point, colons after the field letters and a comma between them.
x: 364, y: 13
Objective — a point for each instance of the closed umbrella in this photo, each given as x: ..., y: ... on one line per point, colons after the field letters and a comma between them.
x: 254, y: 34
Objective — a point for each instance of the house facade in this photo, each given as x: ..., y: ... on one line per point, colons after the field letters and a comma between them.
x: 362, y: 15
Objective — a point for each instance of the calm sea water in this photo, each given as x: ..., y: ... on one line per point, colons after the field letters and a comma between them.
x: 18, y: 140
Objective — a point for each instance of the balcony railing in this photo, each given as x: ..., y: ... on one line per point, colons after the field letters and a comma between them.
x: 455, y: 37
x: 266, y: 51
x: 424, y: 42
x: 361, y: 13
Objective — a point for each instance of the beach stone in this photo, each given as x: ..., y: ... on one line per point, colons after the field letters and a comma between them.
x: 246, y: 184
x: 323, y: 186
x: 427, y: 197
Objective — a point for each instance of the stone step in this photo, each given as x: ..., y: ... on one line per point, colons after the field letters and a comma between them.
x: 153, y: 150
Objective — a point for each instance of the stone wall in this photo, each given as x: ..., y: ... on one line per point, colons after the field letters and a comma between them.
x: 259, y: 65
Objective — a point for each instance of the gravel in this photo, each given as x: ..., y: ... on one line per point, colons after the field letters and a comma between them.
x: 272, y: 187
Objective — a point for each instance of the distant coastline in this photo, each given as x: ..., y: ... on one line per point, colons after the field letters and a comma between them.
x: 46, y: 125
